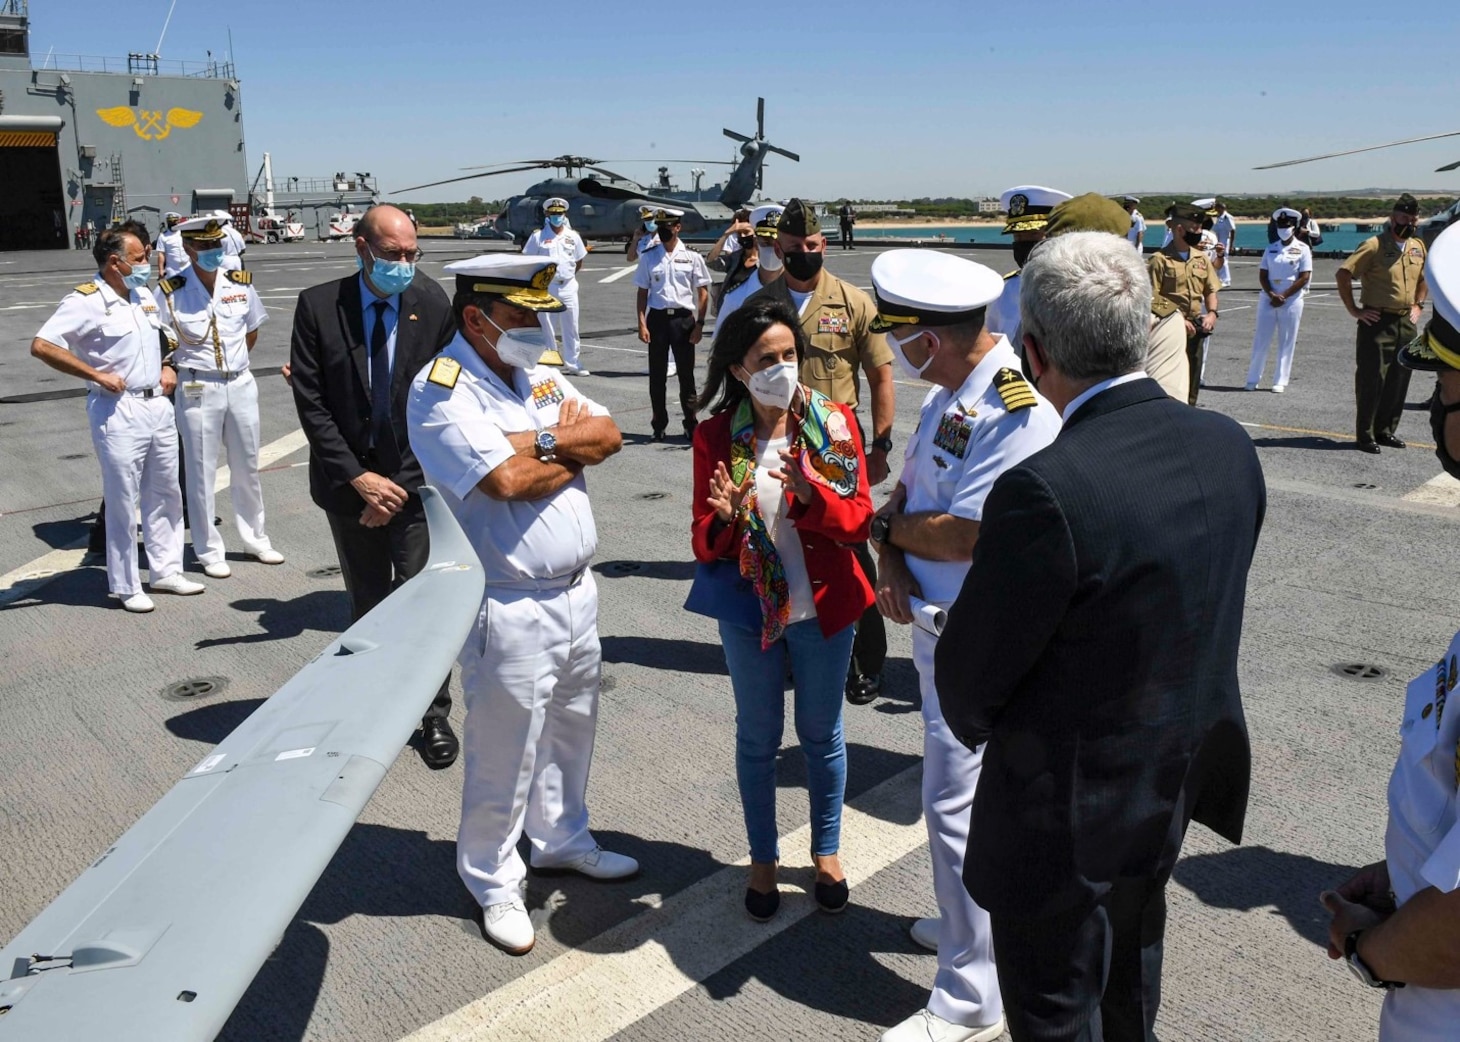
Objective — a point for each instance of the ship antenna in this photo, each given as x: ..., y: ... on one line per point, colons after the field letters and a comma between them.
x: 166, y: 22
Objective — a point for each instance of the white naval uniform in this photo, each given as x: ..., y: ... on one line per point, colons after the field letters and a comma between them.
x: 174, y: 257
x: 963, y: 442
x: 566, y: 249
x: 672, y: 277
x: 1225, y: 229
x: 530, y: 669
x: 739, y: 295
x: 1422, y: 842
x: 1283, y: 262
x: 1137, y: 226
x: 218, y: 404
x: 1003, y: 314
x: 233, y: 247
x: 132, y: 432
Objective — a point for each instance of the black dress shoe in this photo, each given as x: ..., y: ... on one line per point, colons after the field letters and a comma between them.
x: 863, y: 688
x: 762, y: 907
x: 657, y: 436
x: 832, y: 897
x: 1366, y: 446
x: 689, y: 431
x: 438, y: 743
x: 1390, y: 441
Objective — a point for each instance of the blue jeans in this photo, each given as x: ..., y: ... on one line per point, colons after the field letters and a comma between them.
x: 819, y: 665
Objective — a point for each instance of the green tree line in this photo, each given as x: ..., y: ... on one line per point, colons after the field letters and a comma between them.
x: 473, y: 209
x: 1255, y: 206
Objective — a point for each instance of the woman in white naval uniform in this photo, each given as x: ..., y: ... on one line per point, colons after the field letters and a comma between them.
x: 505, y: 441
x: 557, y: 241
x: 216, y: 314
x: 1287, y: 265
x: 107, y: 331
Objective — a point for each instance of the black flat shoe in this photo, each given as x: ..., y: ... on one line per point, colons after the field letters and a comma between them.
x: 1367, y: 446
x: 763, y: 907
x: 833, y: 897
x: 657, y: 436
x: 863, y: 688
x: 438, y: 743
x: 1389, y: 441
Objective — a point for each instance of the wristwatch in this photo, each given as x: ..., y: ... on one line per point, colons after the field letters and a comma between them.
x: 547, y: 446
x: 1359, y: 968
x: 884, y: 443
x: 881, y: 528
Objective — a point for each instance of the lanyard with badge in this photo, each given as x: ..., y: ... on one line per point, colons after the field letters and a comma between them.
x: 194, y: 388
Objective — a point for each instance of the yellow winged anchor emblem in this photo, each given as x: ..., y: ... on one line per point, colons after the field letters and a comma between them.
x: 150, y: 124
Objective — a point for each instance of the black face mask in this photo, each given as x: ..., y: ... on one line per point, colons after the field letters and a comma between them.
x: 745, y: 241
x: 666, y: 231
x: 803, y: 267
x: 1403, y: 231
x: 1022, y: 250
x: 1191, y: 238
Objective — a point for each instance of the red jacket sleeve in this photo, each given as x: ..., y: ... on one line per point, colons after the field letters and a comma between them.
x: 828, y: 514
x: 708, y: 540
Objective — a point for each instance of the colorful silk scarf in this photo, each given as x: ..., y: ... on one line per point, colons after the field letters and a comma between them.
x: 828, y: 456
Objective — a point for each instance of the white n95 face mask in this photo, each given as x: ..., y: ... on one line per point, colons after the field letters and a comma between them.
x: 775, y: 387
x: 915, y: 371
x: 766, y: 258
x: 1285, y: 234
x: 519, y: 348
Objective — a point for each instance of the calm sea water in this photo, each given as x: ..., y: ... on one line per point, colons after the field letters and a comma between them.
x: 1339, y: 237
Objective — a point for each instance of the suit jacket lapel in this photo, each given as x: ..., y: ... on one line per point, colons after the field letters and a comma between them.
x: 352, y: 328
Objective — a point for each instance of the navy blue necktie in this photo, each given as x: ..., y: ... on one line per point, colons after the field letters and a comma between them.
x: 379, y: 380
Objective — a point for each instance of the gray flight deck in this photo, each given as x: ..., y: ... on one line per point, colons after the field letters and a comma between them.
x: 1355, y: 566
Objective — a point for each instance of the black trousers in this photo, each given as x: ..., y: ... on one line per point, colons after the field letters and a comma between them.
x: 869, y: 647
x: 670, y: 330
x: 374, y: 561
x: 846, y: 236
x: 1380, y: 382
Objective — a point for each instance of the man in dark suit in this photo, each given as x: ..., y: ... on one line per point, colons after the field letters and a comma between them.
x: 1094, y: 648
x: 358, y: 342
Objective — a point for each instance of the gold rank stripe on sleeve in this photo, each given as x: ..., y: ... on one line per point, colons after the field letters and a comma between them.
x: 243, y: 278
x: 444, y: 372
x: 87, y: 288
x: 1014, y: 390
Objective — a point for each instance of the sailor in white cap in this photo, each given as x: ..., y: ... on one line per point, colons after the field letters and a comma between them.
x: 1224, y: 227
x: 645, y: 238
x: 1286, y: 268
x: 981, y: 418
x: 1137, y: 233
x: 107, y: 331
x: 234, y: 243
x: 1027, y: 207
x: 768, y: 267
x: 505, y: 441
x: 1437, y: 348
x: 557, y: 241
x: 216, y: 315
x: 673, y: 297
x: 169, y: 247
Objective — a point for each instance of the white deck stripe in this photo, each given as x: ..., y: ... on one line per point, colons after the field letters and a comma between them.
x: 28, y: 578
x: 1440, y: 490
x: 619, y: 274
x: 663, y: 952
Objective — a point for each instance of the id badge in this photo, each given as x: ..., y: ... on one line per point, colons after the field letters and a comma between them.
x: 193, y: 389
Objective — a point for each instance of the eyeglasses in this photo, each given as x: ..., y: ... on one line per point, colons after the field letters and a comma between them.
x: 409, y: 256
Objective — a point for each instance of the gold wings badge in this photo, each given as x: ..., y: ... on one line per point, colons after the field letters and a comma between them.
x: 150, y: 124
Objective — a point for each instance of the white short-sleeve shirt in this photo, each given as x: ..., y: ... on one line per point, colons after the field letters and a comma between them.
x: 565, y: 249
x: 672, y: 277
x: 109, y: 333
x: 1137, y: 226
x: 1225, y: 227
x: 963, y: 442
x: 174, y: 257
x: 1285, y: 261
x: 459, y: 434
x: 1003, y: 314
x: 192, y: 309
x: 1422, y: 843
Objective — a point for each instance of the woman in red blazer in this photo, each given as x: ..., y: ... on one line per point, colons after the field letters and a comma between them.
x: 780, y: 497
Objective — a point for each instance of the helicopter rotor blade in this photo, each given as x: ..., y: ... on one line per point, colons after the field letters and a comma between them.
x: 453, y: 180
x: 783, y: 152
x: 735, y: 136
x: 1355, y: 151
x: 1448, y: 167
x: 760, y: 119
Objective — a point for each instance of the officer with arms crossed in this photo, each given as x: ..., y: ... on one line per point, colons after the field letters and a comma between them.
x: 107, y: 331
x: 506, y: 440
x: 982, y: 418
x: 673, y: 296
x: 557, y: 241
x: 1391, y: 267
x: 216, y: 315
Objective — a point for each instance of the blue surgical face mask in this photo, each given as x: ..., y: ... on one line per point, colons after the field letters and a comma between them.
x: 137, y: 277
x: 390, y: 277
x: 556, y: 220
x: 209, y: 260
x: 650, y: 226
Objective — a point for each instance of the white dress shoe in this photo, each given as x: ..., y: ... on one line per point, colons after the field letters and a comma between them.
x: 576, y: 370
x: 138, y: 602
x: 673, y: 369
x: 508, y: 927
x: 177, y: 583
x: 925, y: 1026
x: 217, y: 570
x: 924, y: 933
x: 596, y: 864
x: 1278, y: 388
x: 269, y: 557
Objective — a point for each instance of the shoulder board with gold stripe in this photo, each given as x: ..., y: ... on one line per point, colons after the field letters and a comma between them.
x: 87, y: 288
x: 1014, y: 390
x: 1011, y: 274
x: 445, y: 372
x: 243, y: 278
x: 172, y: 285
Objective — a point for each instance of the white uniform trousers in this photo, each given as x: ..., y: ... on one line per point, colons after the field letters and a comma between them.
x: 530, y: 671
x: 966, y: 988
x: 221, y: 415
x: 1285, y: 320
x: 136, y: 444
x: 567, y: 292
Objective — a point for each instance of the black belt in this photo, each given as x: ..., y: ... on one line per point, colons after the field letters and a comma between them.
x: 673, y: 312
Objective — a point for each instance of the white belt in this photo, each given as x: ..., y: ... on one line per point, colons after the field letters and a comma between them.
x: 562, y: 582
x: 213, y: 374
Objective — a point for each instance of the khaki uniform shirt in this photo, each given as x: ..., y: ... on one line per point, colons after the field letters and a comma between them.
x: 1390, y: 271
x: 835, y: 321
x: 1185, y: 283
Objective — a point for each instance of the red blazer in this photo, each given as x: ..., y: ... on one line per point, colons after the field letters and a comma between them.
x: 828, y: 526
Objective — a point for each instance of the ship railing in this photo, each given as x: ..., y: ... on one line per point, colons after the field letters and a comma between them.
x: 136, y: 65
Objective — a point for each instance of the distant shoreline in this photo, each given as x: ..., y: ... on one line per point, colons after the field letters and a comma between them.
x: 905, y: 223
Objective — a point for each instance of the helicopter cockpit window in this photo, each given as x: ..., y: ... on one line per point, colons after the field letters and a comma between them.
x: 587, y: 210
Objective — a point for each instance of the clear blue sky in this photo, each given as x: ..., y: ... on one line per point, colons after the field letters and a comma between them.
x: 920, y: 97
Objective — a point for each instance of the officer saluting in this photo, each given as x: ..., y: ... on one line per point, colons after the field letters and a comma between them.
x: 982, y: 418
x: 217, y: 314
x: 107, y: 331
x: 506, y: 440
x: 1027, y: 207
